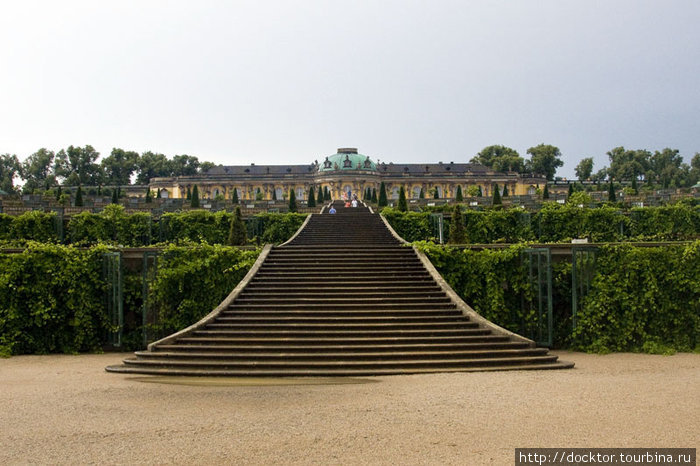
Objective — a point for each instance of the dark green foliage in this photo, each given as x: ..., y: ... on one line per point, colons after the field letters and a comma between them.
x: 481, y: 193
x: 421, y: 194
x: 115, y: 198
x: 79, y: 197
x: 459, y: 197
x: 496, y: 195
x: 158, y: 195
x: 326, y: 194
x: 34, y: 226
x: 292, y: 201
x: 457, y: 235
x: 402, y: 205
x: 58, y: 192
x: 237, y: 232
x: 189, y: 194
x: 374, y: 195
x: 411, y: 226
x: 571, y: 189
x: 234, y: 198
x: 5, y: 226
x: 505, y: 190
x: 149, y: 196
x: 383, y: 202
x: 634, y: 185
x: 319, y: 196
x: 196, y: 225
x: 274, y: 196
x: 611, y: 193
x: 52, y: 300
x: 436, y: 193
x: 194, y: 202
x: 112, y: 226
x: 312, y: 199
x: 545, y: 193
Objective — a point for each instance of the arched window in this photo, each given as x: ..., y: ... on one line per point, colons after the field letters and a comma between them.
x: 279, y: 193
x: 395, y: 192
x: 416, y: 192
x: 348, y: 190
x: 300, y: 194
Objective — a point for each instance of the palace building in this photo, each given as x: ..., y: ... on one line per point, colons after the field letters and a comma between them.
x: 346, y: 171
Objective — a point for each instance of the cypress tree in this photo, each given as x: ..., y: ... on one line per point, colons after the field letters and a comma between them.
x: 149, y: 196
x: 403, y: 205
x: 115, y: 199
x: 234, y: 198
x: 436, y: 193
x: 457, y: 231
x: 367, y: 196
x: 274, y: 194
x: 545, y: 194
x: 292, y: 201
x: 374, y: 195
x: 611, y: 192
x: 99, y: 189
x: 481, y: 193
x: 237, y: 231
x: 634, y: 185
x: 119, y: 192
x: 421, y: 194
x: 383, y: 202
x: 320, y: 195
x: 189, y: 194
x: 158, y: 196
x: 326, y: 194
x: 79, y: 197
x: 496, y: 195
x: 505, y: 190
x: 459, y: 197
x: 58, y: 192
x: 571, y: 189
x: 194, y: 202
x: 312, y: 200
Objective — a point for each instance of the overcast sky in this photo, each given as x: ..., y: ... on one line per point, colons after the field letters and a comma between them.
x: 278, y: 82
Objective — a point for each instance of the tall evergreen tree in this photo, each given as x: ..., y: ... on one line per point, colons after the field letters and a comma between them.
x: 149, y: 196
x: 292, y: 201
x: 189, y: 194
x: 505, y: 190
x: 436, y: 193
x: 421, y: 194
x: 374, y: 195
x: 457, y: 230
x: 611, y: 192
x: 194, y: 202
x: 634, y: 185
x: 274, y: 194
x: 403, y: 205
x: 326, y: 194
x: 79, y: 197
x: 234, y: 198
x: 158, y: 194
x: 237, y: 230
x: 481, y: 193
x: 383, y: 202
x: 545, y: 194
x: 312, y: 199
x: 320, y: 196
x: 459, y: 197
x: 571, y: 189
x: 496, y: 195
x: 115, y: 197
x: 58, y: 192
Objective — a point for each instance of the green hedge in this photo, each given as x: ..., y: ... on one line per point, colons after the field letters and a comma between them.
x: 112, y: 225
x: 53, y: 297
x: 52, y: 300
x: 641, y: 299
x: 555, y: 223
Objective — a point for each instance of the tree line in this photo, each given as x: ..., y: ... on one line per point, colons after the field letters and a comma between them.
x: 76, y: 166
x: 664, y: 168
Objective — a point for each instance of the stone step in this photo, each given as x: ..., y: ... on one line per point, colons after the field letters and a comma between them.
x: 332, y: 301
x: 330, y: 314
x: 496, y: 343
x: 326, y: 340
x: 343, y: 333
x: 337, y: 327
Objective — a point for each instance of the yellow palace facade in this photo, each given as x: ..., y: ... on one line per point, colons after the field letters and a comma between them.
x: 346, y: 171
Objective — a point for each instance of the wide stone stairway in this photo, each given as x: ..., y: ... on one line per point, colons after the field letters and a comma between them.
x: 343, y: 297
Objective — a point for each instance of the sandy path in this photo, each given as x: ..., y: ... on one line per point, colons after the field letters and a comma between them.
x: 67, y: 410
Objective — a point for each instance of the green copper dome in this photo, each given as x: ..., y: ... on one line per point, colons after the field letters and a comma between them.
x: 347, y: 159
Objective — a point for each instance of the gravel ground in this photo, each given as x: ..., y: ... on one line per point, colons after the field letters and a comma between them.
x: 68, y: 410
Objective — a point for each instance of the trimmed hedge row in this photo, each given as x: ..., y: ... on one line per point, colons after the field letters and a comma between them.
x: 559, y: 223
x: 114, y: 226
x: 641, y: 299
x: 52, y: 297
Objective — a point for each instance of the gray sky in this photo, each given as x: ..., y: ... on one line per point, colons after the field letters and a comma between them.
x: 236, y: 82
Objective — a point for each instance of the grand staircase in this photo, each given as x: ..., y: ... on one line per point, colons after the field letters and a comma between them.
x: 344, y: 297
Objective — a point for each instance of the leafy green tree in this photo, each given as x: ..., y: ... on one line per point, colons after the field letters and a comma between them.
x: 571, y: 189
x: 500, y: 159
x: 459, y: 197
x: 544, y: 160
x: 258, y: 195
x: 79, y: 197
x: 38, y: 171
x: 694, y: 172
x: 188, y: 196
x: 666, y: 168
x: 184, y: 165
x: 584, y: 169
x: 457, y: 230
x: 403, y: 205
x: 374, y: 195
x: 9, y: 169
x: 312, y: 199
x: 628, y: 164
x: 77, y: 166
x: 496, y: 195
x: 151, y: 165
x: 481, y: 193
x: 237, y: 231
x: 292, y: 201
x: 194, y: 202
x: 383, y: 202
x: 474, y: 191
x: 119, y: 166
